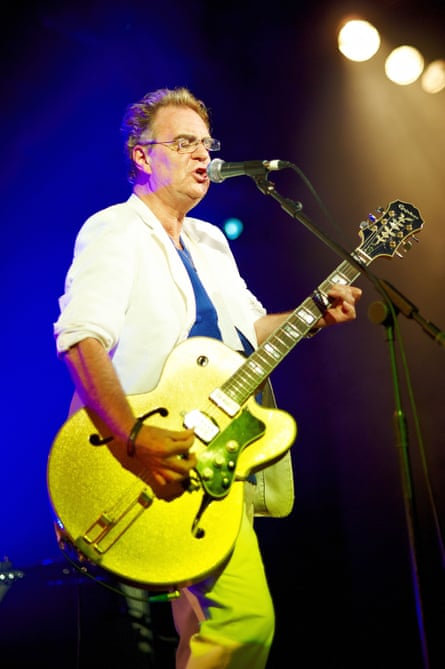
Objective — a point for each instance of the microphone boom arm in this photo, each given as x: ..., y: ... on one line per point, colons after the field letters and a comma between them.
x: 295, y: 209
x: 390, y: 294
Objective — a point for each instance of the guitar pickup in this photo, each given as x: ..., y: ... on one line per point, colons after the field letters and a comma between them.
x: 224, y: 402
x: 205, y: 429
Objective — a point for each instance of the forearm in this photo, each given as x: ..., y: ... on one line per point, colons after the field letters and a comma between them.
x: 265, y: 325
x: 341, y: 310
x: 98, y: 385
x: 162, y: 457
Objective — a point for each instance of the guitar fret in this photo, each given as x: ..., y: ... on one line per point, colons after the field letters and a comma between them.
x: 344, y: 275
x: 295, y: 326
x: 340, y: 278
x: 255, y: 367
x: 240, y: 389
x: 239, y: 382
x: 280, y: 338
x: 348, y: 271
x: 271, y: 350
x: 307, y: 316
x: 266, y: 368
x: 268, y: 363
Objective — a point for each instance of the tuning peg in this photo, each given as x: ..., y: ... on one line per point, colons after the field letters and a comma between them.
x: 363, y: 225
x: 407, y: 245
x: 372, y: 218
x: 413, y: 237
x: 399, y: 254
x: 380, y: 210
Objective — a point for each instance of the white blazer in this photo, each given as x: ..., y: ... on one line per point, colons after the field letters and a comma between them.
x: 128, y: 288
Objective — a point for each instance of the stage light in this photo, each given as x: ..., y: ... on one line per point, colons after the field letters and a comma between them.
x: 433, y: 79
x: 233, y: 228
x: 404, y: 65
x: 358, y: 40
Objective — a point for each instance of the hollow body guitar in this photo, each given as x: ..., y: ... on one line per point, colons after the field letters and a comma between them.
x: 111, y: 516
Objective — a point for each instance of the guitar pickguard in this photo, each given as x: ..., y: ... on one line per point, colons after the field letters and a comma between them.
x: 217, y: 463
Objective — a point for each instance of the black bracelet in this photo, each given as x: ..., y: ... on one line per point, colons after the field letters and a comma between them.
x: 131, y: 445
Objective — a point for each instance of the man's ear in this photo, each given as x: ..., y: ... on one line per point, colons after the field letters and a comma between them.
x: 141, y: 160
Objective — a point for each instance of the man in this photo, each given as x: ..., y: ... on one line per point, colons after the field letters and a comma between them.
x: 145, y: 277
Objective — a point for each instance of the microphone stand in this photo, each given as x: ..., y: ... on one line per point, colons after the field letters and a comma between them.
x: 294, y: 209
x: 389, y: 292
x: 403, y: 305
x: 381, y: 313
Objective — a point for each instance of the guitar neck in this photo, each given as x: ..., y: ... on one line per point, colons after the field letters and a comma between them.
x: 241, y: 385
x: 383, y: 236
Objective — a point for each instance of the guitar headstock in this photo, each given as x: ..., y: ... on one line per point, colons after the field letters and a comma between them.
x: 385, y: 235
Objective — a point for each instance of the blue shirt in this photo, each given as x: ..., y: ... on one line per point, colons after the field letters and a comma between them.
x: 206, y: 323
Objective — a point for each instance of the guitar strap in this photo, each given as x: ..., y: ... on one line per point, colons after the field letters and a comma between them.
x: 274, y: 492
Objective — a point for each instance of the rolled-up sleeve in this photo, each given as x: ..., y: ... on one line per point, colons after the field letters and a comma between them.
x: 98, y: 284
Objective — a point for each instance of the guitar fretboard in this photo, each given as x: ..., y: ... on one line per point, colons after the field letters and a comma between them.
x: 244, y: 382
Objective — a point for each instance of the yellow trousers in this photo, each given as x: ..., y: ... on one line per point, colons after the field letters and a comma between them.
x: 228, y: 621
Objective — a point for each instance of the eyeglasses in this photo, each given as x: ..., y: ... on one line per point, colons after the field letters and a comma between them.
x: 188, y: 144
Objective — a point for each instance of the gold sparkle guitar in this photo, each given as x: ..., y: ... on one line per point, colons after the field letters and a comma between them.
x: 111, y: 516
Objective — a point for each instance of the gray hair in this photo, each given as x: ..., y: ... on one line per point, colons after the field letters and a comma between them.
x: 139, y: 117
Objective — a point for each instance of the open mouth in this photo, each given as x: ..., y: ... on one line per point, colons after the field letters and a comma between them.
x: 201, y: 173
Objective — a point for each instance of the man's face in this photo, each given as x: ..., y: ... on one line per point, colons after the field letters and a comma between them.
x: 180, y: 179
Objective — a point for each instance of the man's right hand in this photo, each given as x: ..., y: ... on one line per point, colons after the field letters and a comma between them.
x: 162, y: 459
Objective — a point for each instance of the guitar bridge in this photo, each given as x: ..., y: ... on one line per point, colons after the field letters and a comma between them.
x: 104, y: 532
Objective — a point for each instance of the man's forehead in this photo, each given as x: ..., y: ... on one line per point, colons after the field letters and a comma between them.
x: 179, y: 120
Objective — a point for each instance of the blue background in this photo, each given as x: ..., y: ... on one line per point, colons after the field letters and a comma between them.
x: 276, y: 88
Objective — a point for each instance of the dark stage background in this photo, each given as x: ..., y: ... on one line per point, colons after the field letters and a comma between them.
x: 340, y: 566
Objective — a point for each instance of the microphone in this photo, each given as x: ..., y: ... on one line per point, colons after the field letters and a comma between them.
x: 218, y: 170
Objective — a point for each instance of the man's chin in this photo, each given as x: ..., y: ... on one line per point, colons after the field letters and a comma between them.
x: 199, y: 193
